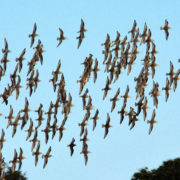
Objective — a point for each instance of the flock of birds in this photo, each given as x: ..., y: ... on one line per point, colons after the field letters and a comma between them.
x: 117, y: 56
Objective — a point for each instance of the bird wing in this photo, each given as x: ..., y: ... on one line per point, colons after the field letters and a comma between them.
x: 23, y: 52
x: 49, y: 150
x: 34, y: 29
x: 72, y: 150
x: 86, y: 158
x: 167, y: 34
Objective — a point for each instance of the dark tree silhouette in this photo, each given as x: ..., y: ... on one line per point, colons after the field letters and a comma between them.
x: 17, y: 175
x: 9, y: 175
x: 169, y: 170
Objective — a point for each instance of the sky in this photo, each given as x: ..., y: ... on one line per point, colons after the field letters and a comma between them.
x: 124, y: 151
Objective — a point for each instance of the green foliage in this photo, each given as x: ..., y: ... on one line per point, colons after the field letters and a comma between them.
x: 169, y: 170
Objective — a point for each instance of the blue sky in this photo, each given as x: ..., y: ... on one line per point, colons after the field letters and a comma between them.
x: 123, y: 151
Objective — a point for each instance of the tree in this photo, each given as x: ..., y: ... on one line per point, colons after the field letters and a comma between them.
x: 169, y: 170
x: 10, y: 175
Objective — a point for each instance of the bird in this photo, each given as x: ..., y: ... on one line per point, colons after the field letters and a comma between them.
x: 81, y: 31
x: 144, y: 34
x: 61, y: 38
x: 133, y: 121
x: 107, y: 125
x: 84, y: 139
x: 29, y: 130
x: 166, y: 28
x: 95, y: 118
x: 2, y: 139
x: 139, y: 105
x: 95, y: 70
x: 18, y: 86
x: 145, y: 107
x: 54, y: 127
x: 20, y: 59
x: 46, y: 131
x: 49, y: 112
x: 20, y: 158
x: 36, y: 80
x: 175, y: 79
x: 126, y: 96
x: 114, y: 99
x: 26, y: 107
x: 171, y: 72
x: 15, y: 124
x: 14, y: 161
x: 37, y: 153
x: 5, y: 50
x: 38, y: 52
x: 71, y: 146
x: 1, y: 72
x: 130, y: 114
x: 34, y: 139
x: 5, y: 60
x: 89, y: 105
x: 40, y: 110
x: 153, y: 51
x: 107, y: 88
x: 10, y: 117
x: 14, y: 75
x: 153, y: 65
x: 61, y: 129
x: 152, y: 121
x: 56, y: 105
x: 122, y: 112
x: 85, y: 151
x: 33, y: 35
x: 40, y: 119
x: 84, y: 96
x: 30, y: 83
x: 167, y: 88
x: 83, y: 124
x: 133, y: 30
x: 69, y: 104
x: 46, y: 156
x: 117, y: 40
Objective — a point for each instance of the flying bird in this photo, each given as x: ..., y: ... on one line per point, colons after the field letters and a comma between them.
x: 115, y: 99
x: 61, y: 37
x: 81, y: 31
x: 46, y: 156
x: 85, y: 151
x: 33, y: 35
x: 166, y: 28
x: 152, y: 121
x: 20, y: 59
x: 95, y: 118
x: 71, y: 146
x: 37, y: 153
x: 107, y: 126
